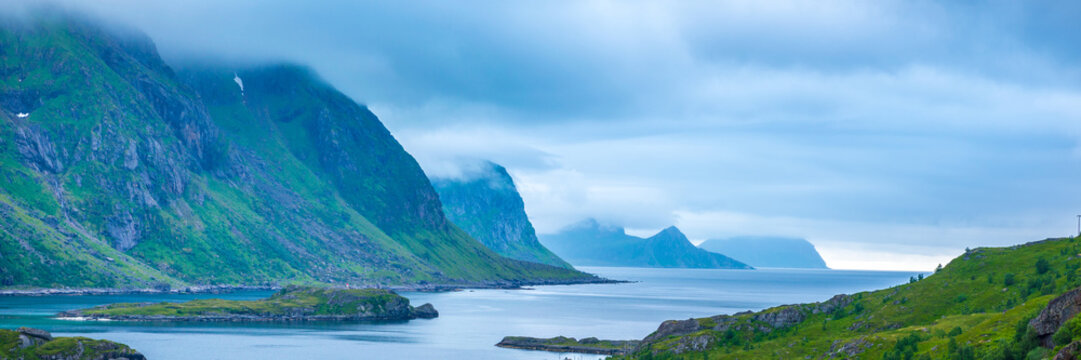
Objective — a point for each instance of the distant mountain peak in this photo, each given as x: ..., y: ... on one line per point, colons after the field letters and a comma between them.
x: 589, y: 242
x: 591, y: 224
x: 671, y: 232
x: 768, y: 251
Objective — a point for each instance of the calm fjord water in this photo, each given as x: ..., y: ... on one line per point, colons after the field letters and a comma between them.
x: 470, y: 322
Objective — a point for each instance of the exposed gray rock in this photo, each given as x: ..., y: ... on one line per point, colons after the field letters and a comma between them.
x: 32, y: 337
x: 131, y: 155
x: 37, y: 150
x: 783, y: 317
x: 845, y: 350
x: 1057, y: 312
x: 123, y: 230
x: 831, y: 305
x: 673, y: 328
x: 1069, y: 352
x: 692, y: 343
x: 426, y: 311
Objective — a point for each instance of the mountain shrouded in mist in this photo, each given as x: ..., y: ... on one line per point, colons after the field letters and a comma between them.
x: 486, y: 204
x: 766, y: 251
x: 588, y: 243
x: 116, y: 171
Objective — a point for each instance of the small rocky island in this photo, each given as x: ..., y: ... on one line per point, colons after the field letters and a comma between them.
x: 293, y: 303
x: 589, y: 345
x: 28, y: 343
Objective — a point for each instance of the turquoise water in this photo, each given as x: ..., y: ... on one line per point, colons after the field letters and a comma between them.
x: 470, y: 322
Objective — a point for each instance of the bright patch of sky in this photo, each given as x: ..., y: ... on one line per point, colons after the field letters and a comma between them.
x: 892, y: 134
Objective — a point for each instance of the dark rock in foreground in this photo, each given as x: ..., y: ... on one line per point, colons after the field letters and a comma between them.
x: 294, y: 303
x: 590, y: 345
x: 1057, y: 312
x: 29, y: 343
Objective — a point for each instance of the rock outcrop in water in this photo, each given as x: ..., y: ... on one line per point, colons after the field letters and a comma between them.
x: 562, y: 344
x: 294, y: 303
x: 36, y: 344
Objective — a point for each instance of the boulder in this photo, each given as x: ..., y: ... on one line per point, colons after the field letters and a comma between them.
x: 1057, y: 312
x: 33, y: 337
x: 426, y: 311
x: 1069, y: 352
x: 783, y: 317
x: 673, y: 327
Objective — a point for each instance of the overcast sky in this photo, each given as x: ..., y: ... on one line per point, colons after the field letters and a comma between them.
x: 892, y: 134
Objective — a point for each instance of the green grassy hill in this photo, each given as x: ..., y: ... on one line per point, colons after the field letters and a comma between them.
x: 979, y: 306
x: 116, y: 171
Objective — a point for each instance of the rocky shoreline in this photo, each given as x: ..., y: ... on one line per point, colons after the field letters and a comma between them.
x: 216, y: 289
x: 196, y: 289
x: 426, y: 311
x: 562, y: 344
x: 291, y: 304
x: 31, y: 343
x: 504, y: 285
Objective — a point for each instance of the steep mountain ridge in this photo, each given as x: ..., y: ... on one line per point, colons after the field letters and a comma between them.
x: 486, y: 204
x: 588, y: 243
x: 116, y: 171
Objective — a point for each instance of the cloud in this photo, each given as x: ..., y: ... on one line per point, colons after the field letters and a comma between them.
x: 860, y: 125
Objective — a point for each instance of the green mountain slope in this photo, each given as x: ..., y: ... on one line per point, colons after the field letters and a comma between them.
x: 589, y: 243
x: 980, y: 306
x: 486, y: 204
x: 116, y: 171
x: 767, y: 251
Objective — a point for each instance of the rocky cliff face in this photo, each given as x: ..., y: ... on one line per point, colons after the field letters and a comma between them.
x: 1058, y: 311
x: 592, y: 244
x: 486, y: 204
x: 117, y: 171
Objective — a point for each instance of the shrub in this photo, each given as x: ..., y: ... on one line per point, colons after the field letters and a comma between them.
x: 1008, y: 279
x: 955, y: 331
x: 904, y: 349
x: 960, y: 352
x: 1063, y: 336
x: 1042, y: 266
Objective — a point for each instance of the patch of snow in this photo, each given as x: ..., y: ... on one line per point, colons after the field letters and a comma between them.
x: 238, y: 81
x: 22, y: 115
